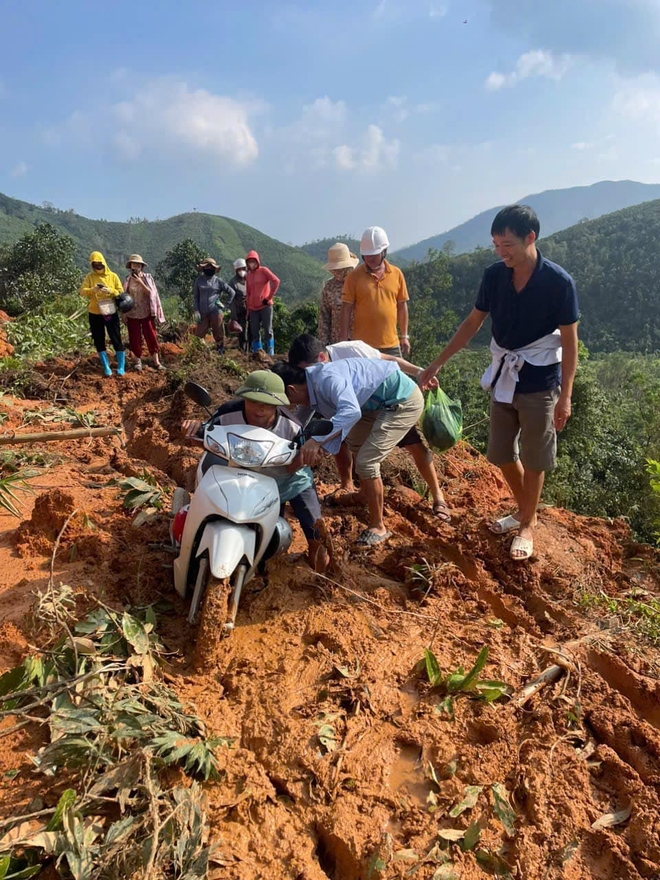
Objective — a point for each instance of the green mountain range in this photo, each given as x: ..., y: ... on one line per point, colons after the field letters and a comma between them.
x: 223, y: 238
x: 557, y: 209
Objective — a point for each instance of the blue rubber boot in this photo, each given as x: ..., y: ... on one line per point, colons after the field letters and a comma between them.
x: 103, y: 357
x: 121, y: 362
x: 270, y: 346
x: 256, y: 346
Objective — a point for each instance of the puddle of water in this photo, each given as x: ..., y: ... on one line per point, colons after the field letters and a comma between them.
x: 408, y: 697
x: 407, y: 776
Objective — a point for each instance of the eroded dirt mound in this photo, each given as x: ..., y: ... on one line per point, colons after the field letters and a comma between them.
x: 38, y: 535
x: 346, y: 763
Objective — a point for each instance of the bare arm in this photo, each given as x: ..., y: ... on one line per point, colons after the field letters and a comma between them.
x: 409, y: 369
x: 569, y: 344
x: 467, y: 330
x: 402, y: 318
x: 345, y: 320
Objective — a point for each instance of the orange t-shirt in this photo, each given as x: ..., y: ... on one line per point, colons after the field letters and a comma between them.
x: 375, y: 304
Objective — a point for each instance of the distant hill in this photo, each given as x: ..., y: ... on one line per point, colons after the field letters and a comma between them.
x: 319, y: 249
x: 614, y: 261
x: 223, y: 238
x: 557, y: 209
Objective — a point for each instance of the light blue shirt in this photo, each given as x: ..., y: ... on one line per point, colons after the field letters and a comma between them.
x: 340, y: 390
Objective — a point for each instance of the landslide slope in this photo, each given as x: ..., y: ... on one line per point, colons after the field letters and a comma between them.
x: 345, y: 764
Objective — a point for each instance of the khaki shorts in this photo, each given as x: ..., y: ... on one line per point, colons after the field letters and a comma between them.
x: 378, y: 432
x: 525, y: 430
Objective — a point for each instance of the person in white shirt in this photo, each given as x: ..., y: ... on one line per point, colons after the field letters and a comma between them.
x: 306, y: 350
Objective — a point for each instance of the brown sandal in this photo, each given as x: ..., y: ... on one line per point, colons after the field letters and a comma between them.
x: 441, y: 510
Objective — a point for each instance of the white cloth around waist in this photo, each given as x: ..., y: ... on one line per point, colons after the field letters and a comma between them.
x: 541, y: 353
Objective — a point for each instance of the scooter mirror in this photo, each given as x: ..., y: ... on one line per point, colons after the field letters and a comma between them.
x: 319, y: 428
x: 198, y: 394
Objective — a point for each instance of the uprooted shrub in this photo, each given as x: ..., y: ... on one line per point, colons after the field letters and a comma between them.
x: 113, y: 726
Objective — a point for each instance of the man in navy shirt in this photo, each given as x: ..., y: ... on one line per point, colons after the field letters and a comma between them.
x: 534, y: 311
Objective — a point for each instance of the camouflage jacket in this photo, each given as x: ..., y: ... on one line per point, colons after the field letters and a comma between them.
x: 330, y: 312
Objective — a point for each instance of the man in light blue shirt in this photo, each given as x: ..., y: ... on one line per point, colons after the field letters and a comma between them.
x: 372, y: 405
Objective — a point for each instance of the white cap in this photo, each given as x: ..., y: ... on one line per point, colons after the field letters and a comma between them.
x: 374, y: 241
x: 240, y: 264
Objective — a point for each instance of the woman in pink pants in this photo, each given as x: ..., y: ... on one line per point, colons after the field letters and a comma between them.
x: 141, y: 320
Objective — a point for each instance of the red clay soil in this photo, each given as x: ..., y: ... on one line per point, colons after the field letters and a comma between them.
x: 359, y: 799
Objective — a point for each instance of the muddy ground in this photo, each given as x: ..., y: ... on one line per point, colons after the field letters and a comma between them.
x: 344, y: 766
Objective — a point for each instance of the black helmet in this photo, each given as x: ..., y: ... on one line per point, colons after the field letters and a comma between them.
x: 125, y: 302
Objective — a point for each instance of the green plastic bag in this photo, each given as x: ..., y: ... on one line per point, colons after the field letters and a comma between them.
x: 442, y: 420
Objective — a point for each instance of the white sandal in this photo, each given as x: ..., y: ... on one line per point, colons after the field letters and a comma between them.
x: 523, y: 546
x: 504, y: 525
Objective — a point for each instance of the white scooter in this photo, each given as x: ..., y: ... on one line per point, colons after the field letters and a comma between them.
x: 232, y: 523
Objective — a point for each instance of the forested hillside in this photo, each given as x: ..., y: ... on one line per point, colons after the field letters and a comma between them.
x: 221, y: 237
x: 614, y: 261
x: 557, y: 208
x: 319, y: 249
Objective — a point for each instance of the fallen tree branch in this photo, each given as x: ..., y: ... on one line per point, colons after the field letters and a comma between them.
x: 546, y: 677
x: 51, y: 436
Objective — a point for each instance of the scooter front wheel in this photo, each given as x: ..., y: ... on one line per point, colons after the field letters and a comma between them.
x: 209, y: 590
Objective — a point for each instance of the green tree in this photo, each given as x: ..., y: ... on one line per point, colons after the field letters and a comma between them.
x: 177, y: 272
x: 37, y: 269
x: 432, y: 322
x: 287, y: 324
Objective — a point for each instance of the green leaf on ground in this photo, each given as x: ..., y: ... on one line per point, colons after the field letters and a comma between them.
x: 471, y: 796
x: 503, y: 809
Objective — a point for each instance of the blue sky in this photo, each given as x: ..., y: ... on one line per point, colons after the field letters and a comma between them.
x: 311, y: 119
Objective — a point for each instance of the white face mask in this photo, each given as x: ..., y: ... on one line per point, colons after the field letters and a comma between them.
x: 241, y: 273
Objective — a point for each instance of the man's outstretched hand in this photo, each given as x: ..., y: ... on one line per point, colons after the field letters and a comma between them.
x: 427, y: 378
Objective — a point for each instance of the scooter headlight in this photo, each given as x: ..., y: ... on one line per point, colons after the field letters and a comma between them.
x: 247, y: 453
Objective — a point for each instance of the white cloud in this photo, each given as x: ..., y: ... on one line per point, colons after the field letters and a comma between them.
x: 19, y: 170
x: 374, y: 154
x: 399, y: 108
x: 166, y: 112
x: 624, y: 31
x: 639, y: 98
x: 535, y: 63
x: 320, y: 120
x: 166, y: 115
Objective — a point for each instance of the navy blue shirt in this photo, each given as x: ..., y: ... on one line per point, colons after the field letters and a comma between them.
x: 546, y: 302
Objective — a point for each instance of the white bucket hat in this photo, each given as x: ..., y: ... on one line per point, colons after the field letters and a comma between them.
x: 340, y: 257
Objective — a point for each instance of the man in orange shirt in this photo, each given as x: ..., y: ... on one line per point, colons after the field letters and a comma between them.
x: 375, y: 295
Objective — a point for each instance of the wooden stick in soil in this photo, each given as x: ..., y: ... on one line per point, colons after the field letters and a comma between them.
x: 546, y: 677
x: 52, y: 436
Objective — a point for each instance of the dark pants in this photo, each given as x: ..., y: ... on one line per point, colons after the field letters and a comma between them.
x: 98, y: 324
x: 308, y: 512
x: 262, y: 319
x: 239, y: 313
x: 139, y: 327
x: 215, y: 322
